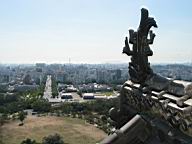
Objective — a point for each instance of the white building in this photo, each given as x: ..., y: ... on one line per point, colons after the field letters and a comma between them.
x: 88, y: 96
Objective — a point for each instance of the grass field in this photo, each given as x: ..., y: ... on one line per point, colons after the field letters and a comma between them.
x: 73, y: 131
x: 105, y: 93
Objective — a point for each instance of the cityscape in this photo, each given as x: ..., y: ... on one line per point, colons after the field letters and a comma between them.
x: 86, y: 81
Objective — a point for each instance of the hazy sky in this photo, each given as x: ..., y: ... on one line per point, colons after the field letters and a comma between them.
x: 90, y: 31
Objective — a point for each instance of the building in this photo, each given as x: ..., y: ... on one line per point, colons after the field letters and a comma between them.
x: 66, y: 96
x: 22, y: 88
x: 88, y: 96
x: 40, y: 65
x: 4, y: 78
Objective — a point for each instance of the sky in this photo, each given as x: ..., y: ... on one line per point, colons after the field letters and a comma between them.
x: 90, y: 31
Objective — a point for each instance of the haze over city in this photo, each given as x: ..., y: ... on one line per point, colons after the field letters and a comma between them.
x: 84, y: 31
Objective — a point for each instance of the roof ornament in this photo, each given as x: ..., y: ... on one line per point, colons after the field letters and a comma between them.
x: 139, y: 67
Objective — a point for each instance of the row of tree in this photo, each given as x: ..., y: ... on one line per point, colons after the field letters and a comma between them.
x: 10, y: 104
x: 99, y: 106
x: 16, y: 103
x: 94, y: 112
x: 51, y: 139
x: 54, y: 86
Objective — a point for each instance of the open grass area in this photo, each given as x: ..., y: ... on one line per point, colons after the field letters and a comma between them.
x: 73, y: 131
x: 106, y: 93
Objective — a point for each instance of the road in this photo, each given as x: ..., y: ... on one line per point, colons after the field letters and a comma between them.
x: 48, y: 90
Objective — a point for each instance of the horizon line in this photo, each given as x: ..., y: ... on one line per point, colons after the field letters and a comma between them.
x: 84, y: 63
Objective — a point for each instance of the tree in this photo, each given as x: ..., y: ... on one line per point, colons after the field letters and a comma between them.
x: 54, y: 87
x: 27, y: 79
x: 28, y: 141
x: 21, y: 117
x: 79, y: 93
x: 41, y: 105
x: 3, y: 118
x: 53, y: 139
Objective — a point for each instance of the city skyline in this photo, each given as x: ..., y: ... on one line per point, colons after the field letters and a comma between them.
x: 82, y: 31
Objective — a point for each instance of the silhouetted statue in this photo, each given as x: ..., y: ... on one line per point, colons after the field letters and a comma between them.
x: 139, y: 68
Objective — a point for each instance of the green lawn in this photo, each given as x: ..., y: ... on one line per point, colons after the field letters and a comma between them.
x: 73, y: 131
